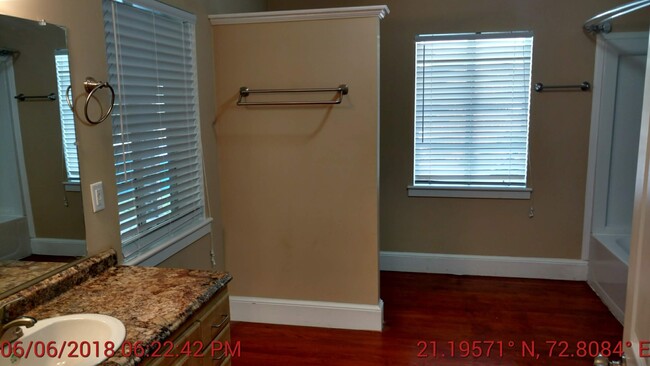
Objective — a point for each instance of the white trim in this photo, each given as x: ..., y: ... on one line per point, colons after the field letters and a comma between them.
x: 477, y: 265
x: 472, y: 36
x: 20, y: 154
x: 635, y: 358
x: 54, y: 246
x: 599, y: 70
x: 160, y: 8
x: 515, y: 193
x: 72, y: 186
x: 636, y: 304
x: 379, y: 11
x: 173, y: 245
x: 307, y: 313
x: 608, y: 47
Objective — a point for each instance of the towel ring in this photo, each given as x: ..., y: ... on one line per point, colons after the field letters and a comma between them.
x: 67, y: 97
x: 91, y: 85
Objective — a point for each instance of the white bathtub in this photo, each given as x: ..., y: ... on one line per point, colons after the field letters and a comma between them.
x: 618, y: 244
x: 15, y: 238
x: 608, y: 263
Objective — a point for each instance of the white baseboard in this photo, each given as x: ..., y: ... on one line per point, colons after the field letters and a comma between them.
x: 62, y: 247
x: 307, y: 313
x: 476, y: 265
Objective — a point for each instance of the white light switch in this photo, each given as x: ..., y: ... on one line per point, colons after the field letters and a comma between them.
x: 97, y: 193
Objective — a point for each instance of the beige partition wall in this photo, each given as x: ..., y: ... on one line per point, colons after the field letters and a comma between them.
x: 299, y: 184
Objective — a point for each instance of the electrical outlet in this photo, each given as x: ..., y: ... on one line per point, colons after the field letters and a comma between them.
x: 97, y: 194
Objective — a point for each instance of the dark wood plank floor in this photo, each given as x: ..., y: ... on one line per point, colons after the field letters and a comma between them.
x: 425, y: 308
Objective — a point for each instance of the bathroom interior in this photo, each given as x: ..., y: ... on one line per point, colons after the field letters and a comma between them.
x: 308, y: 207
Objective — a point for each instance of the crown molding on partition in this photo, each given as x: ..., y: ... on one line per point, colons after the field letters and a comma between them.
x: 379, y: 11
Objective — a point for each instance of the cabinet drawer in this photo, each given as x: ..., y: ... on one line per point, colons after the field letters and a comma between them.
x: 215, y: 320
x: 189, y: 361
x: 214, y: 356
x: 225, y: 362
x: 209, y: 324
x: 188, y: 337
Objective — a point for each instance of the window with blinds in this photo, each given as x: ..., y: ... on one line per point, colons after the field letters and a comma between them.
x: 471, y: 109
x: 150, y: 50
x: 67, y: 117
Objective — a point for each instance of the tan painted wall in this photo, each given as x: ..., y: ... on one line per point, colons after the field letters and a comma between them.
x: 83, y: 20
x: 195, y: 256
x: 35, y: 74
x: 300, y: 184
x: 559, y: 128
x: 235, y: 6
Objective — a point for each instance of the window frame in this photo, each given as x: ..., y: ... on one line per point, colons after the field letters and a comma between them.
x: 169, y: 238
x: 468, y: 189
x: 68, y: 131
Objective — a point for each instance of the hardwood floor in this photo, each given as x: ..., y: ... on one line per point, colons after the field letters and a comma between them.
x: 425, y: 308
x: 49, y: 258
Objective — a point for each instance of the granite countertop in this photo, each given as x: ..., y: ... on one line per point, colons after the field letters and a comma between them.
x: 152, y: 302
x: 15, y: 273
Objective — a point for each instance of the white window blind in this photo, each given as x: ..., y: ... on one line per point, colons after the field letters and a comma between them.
x: 150, y: 49
x: 471, y: 109
x: 67, y: 118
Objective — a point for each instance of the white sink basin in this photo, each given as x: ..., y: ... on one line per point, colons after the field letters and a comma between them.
x: 74, y: 340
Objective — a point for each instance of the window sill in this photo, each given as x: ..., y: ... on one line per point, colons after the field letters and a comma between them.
x: 513, y: 193
x: 72, y: 186
x: 173, y: 245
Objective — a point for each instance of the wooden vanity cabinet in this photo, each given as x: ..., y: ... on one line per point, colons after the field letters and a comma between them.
x: 211, y: 323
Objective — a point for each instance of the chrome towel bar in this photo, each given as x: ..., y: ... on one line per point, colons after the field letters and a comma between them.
x: 245, y: 92
x: 585, y: 86
x: 22, y: 97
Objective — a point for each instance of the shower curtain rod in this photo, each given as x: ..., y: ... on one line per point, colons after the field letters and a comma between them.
x: 600, y: 23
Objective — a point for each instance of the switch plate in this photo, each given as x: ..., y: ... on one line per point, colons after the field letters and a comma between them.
x: 97, y: 194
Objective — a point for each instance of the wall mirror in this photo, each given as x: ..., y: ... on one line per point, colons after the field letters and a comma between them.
x: 41, y: 214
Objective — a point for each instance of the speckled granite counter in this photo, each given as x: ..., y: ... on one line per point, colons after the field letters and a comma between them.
x: 15, y: 273
x: 151, y: 302
x: 22, y: 302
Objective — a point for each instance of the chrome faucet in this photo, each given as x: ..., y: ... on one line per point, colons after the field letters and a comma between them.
x: 12, y: 330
